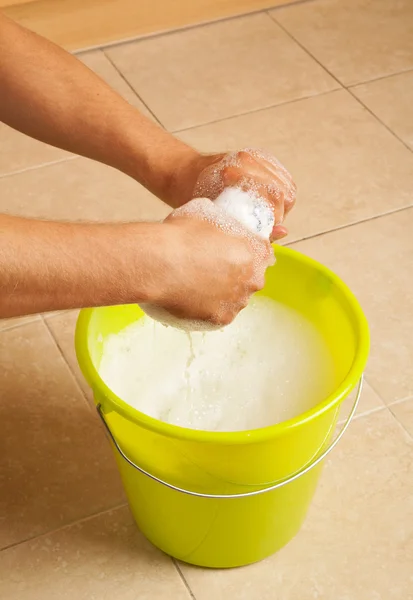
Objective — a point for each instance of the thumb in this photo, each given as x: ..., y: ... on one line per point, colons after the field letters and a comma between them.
x: 278, y: 233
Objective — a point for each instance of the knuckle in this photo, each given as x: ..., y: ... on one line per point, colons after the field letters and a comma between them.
x: 258, y: 284
x: 244, y: 155
x: 243, y: 303
x: 229, y: 318
x: 215, y: 320
x: 225, y: 318
x: 261, y: 283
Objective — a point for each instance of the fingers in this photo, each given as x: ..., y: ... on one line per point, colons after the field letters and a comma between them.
x: 278, y: 233
x: 250, y: 170
x: 255, y: 171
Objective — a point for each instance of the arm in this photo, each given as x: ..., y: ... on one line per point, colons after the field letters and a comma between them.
x: 189, y: 267
x: 52, y: 266
x: 50, y: 95
x: 48, y: 266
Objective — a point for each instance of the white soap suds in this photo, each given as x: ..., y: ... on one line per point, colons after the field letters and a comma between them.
x: 250, y: 209
x: 212, y: 183
x: 242, y: 206
x: 253, y: 212
x: 268, y: 366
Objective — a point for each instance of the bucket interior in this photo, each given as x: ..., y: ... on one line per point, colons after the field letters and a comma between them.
x: 314, y: 292
x: 224, y: 462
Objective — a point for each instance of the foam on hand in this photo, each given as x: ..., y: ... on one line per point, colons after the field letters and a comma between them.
x: 269, y: 365
x: 248, y: 209
x: 211, y: 181
x: 235, y: 212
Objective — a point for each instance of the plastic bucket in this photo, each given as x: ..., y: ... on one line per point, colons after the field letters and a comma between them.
x: 228, y: 499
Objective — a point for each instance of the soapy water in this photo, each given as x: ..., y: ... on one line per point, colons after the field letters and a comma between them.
x: 271, y: 364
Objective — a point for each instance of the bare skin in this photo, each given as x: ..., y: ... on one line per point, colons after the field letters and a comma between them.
x: 49, y: 95
x: 53, y: 266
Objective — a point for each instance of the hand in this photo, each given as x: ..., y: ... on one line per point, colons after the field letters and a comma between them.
x: 212, y: 273
x: 207, y: 175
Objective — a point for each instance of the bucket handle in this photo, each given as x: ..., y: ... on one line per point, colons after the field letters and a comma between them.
x: 277, y: 485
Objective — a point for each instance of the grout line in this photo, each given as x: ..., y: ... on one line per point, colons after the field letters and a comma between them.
x: 56, y: 313
x: 133, y: 89
x: 26, y: 320
x: 342, y: 84
x: 291, y: 36
x: 39, y: 166
x: 379, y: 78
x: 377, y: 118
x: 363, y: 414
x: 67, y: 526
x: 347, y: 88
x: 375, y: 391
x: 68, y: 366
x: 184, y: 581
x: 401, y: 425
x: 256, y: 110
x: 348, y: 225
x: 400, y: 401
x: 371, y: 411
x: 166, y: 32
x: 288, y: 4
x: 143, y: 37
x: 29, y: 320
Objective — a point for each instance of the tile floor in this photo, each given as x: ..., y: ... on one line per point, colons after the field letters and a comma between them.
x: 327, y: 85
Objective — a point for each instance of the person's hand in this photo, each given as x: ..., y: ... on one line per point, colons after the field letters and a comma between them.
x: 207, y: 176
x: 211, y: 273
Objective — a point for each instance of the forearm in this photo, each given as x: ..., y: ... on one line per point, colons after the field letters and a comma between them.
x: 48, y: 94
x: 55, y: 266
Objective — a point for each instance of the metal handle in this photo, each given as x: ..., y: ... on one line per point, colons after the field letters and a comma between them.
x: 277, y: 485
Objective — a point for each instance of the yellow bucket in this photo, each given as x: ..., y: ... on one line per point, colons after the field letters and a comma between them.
x: 229, y: 499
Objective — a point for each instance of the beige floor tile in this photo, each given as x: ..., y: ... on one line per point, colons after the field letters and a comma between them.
x: 357, y: 541
x: 77, y: 24
x: 56, y: 464
x: 15, y: 322
x: 370, y: 257
x: 102, y: 558
x: 347, y: 166
x: 19, y: 152
x: 356, y: 40
x: 63, y: 327
x: 219, y: 70
x: 369, y: 402
x: 78, y: 189
x: 403, y: 411
x: 391, y: 99
x: 101, y: 65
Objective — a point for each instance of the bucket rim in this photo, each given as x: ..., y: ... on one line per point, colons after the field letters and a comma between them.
x: 263, y: 434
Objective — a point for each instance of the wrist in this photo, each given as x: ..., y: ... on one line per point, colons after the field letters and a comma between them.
x: 147, y: 258
x: 183, y: 176
x: 166, y: 166
x: 186, y: 175
x: 169, y: 259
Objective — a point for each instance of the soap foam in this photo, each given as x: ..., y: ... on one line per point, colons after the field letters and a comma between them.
x: 211, y: 182
x: 268, y: 366
x: 252, y: 211
x: 224, y: 218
